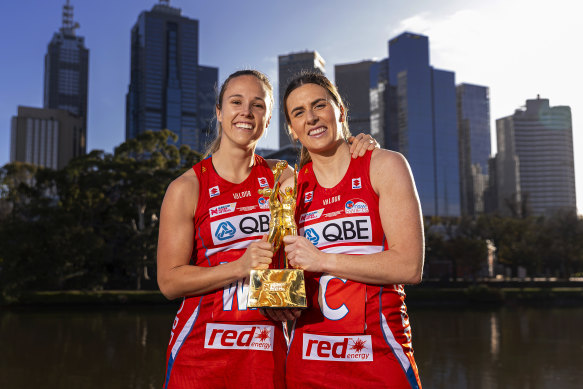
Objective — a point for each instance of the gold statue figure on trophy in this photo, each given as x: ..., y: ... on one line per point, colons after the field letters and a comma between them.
x: 279, y: 288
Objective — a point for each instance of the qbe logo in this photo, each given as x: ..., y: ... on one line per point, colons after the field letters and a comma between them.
x: 214, y: 191
x: 337, y: 348
x: 225, y: 230
x: 308, y: 196
x: 344, y: 230
x: 240, y: 227
x: 262, y: 182
x: 312, y: 236
x: 356, y: 183
x: 244, y: 337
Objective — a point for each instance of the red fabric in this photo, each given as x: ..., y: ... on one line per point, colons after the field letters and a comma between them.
x: 216, y: 342
x: 353, y: 333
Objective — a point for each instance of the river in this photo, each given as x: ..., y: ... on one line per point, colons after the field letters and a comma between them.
x: 455, y: 348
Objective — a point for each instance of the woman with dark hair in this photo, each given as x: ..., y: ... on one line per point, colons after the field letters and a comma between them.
x: 360, y: 239
x: 213, y: 226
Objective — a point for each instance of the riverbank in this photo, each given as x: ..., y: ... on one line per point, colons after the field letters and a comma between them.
x: 423, y: 294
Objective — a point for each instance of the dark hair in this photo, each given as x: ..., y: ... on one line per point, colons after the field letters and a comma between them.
x: 214, y: 145
x: 321, y: 80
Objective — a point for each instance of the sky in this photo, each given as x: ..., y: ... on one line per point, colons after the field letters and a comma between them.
x: 518, y: 48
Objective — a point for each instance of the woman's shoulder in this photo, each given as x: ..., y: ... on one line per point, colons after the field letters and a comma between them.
x: 387, y: 159
x: 186, y: 184
x: 388, y: 166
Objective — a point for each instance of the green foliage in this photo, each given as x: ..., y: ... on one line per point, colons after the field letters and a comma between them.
x: 544, y: 246
x: 92, y: 225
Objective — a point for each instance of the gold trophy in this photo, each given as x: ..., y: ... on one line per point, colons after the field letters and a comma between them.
x: 279, y: 288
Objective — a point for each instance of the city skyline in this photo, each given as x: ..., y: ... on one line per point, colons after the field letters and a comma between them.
x: 517, y: 59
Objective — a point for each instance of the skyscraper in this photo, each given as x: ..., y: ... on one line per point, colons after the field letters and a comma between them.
x: 473, y: 109
x: 379, y: 98
x: 46, y: 137
x: 165, y: 74
x: 291, y: 65
x: 353, y: 83
x: 543, y: 145
x: 422, y: 123
x: 67, y: 71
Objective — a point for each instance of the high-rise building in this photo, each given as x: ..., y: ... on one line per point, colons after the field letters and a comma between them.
x: 353, y: 83
x: 473, y: 110
x: 165, y: 76
x: 422, y: 123
x: 46, y: 137
x: 67, y: 70
x: 504, y: 188
x: 207, y: 86
x: 542, y: 137
x: 291, y: 65
x: 379, y: 98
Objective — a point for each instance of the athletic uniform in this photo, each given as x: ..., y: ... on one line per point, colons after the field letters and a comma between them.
x: 216, y: 341
x: 352, y: 333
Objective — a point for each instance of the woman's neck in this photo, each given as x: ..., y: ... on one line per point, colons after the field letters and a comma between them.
x: 233, y: 164
x: 331, y: 166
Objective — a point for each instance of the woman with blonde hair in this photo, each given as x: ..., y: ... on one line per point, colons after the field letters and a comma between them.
x: 213, y: 226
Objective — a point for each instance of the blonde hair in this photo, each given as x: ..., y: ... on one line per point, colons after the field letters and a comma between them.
x: 321, y: 80
x: 215, y: 144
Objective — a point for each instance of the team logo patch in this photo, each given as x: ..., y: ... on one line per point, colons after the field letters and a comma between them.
x: 263, y: 203
x: 337, y: 348
x: 308, y: 196
x: 355, y: 206
x: 225, y: 231
x: 222, y: 209
x: 262, y: 182
x: 356, y: 183
x: 214, y: 191
x: 312, y: 236
x: 306, y: 217
x: 244, y: 337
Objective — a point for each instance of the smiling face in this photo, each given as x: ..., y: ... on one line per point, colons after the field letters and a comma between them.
x: 314, y: 118
x: 244, y: 112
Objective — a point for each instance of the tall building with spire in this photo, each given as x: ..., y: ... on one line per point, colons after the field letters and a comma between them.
x: 291, y: 65
x: 67, y: 72
x: 166, y: 79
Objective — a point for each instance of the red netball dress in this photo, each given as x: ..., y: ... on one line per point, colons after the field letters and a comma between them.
x: 352, y: 333
x: 216, y: 341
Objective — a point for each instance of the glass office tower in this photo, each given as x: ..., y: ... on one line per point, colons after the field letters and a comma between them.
x: 473, y: 108
x: 165, y: 77
x: 422, y: 123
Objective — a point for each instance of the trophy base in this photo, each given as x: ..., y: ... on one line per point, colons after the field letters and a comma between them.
x: 277, y: 288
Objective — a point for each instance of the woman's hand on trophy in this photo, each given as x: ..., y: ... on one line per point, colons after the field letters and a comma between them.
x: 360, y: 143
x: 257, y: 256
x: 302, y: 254
x: 281, y: 314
